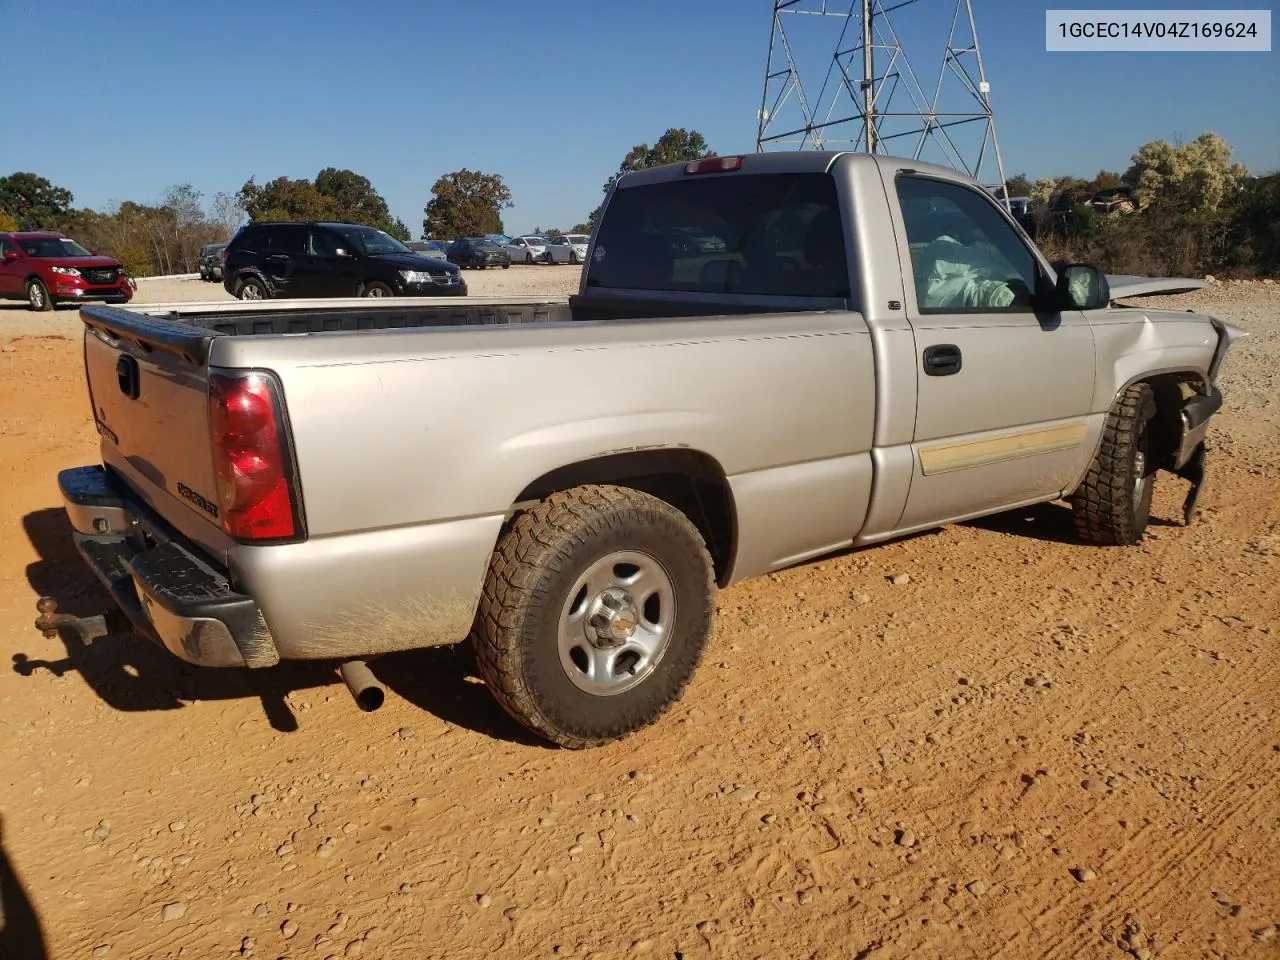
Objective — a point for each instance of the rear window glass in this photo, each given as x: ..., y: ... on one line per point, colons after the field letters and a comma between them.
x: 774, y: 234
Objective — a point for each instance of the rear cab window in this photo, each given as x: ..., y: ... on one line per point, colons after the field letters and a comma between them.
x: 763, y: 234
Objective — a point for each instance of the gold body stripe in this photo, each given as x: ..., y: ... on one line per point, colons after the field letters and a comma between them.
x: 944, y: 458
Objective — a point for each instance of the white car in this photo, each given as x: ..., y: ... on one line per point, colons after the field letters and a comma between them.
x: 577, y: 244
x: 528, y: 249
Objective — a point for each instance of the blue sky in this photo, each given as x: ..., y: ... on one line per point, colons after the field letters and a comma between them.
x: 119, y: 101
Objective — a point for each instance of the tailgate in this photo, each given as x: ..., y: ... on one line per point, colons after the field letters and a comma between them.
x: 150, y: 404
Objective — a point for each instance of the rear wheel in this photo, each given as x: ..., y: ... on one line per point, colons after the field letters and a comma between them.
x: 1113, y: 505
x: 38, y: 296
x: 595, y: 612
x: 377, y: 289
x: 252, y: 289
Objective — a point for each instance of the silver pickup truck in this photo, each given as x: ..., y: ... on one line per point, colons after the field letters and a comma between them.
x: 853, y: 348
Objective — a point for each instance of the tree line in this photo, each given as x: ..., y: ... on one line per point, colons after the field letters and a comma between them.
x: 1178, y: 209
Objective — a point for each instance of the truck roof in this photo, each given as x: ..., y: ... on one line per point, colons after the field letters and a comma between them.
x: 790, y: 161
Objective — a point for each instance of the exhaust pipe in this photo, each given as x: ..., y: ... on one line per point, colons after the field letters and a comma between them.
x: 364, y: 687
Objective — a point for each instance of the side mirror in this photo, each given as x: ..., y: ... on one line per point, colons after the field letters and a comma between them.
x: 94, y: 252
x: 1082, y: 286
x: 10, y: 256
x: 340, y: 252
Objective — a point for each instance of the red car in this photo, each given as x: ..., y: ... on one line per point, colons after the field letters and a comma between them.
x: 48, y: 268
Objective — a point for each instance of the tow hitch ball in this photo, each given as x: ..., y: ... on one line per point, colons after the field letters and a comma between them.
x: 51, y: 621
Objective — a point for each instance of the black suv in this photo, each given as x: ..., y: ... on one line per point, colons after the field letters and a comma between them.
x: 266, y: 260
x: 478, y: 252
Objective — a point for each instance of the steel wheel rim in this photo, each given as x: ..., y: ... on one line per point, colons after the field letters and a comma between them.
x: 250, y: 291
x: 616, y: 623
x: 36, y: 295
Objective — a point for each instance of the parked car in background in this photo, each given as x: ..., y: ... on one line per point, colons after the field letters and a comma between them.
x: 269, y: 260
x: 47, y: 268
x: 527, y: 249
x: 478, y: 253
x: 577, y: 244
x: 210, y: 261
x: 428, y: 248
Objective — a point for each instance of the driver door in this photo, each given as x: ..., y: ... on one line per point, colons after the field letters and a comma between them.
x: 1003, y: 387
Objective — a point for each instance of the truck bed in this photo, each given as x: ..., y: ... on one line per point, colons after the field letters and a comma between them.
x: 350, y: 315
x: 294, y: 317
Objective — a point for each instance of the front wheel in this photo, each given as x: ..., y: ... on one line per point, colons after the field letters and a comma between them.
x: 573, y: 257
x: 377, y: 289
x: 38, y: 296
x: 595, y: 612
x: 1113, y: 504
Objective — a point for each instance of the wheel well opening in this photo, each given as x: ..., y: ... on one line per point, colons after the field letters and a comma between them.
x: 1171, y: 390
x: 691, y: 481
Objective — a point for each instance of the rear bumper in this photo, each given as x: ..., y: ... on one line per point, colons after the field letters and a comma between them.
x: 170, y: 594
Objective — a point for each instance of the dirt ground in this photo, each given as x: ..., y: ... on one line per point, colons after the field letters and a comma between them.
x: 1031, y: 748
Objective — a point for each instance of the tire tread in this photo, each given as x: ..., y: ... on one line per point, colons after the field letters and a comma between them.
x: 536, y: 540
x: 1103, y: 506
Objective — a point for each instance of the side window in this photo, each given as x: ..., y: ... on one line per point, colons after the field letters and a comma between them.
x: 964, y: 255
x: 288, y: 239
x: 324, y: 243
x: 7, y: 246
x: 251, y: 238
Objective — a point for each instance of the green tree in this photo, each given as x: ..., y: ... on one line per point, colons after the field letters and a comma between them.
x: 398, y: 229
x: 357, y: 202
x: 286, y: 199
x: 1193, y: 176
x: 466, y: 203
x: 677, y: 145
x: 33, y: 201
x: 1017, y: 186
x: 1106, y: 180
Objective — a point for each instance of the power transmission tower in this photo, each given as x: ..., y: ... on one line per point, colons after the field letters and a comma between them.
x: 870, y: 98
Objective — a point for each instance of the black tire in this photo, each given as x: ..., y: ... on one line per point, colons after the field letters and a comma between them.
x: 539, y: 559
x: 528, y: 258
x: 249, y: 286
x: 573, y: 257
x: 38, y: 296
x: 1113, y: 504
x: 507, y: 265
x: 376, y: 288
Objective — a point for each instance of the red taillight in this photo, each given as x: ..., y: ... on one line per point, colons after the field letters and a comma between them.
x: 714, y: 165
x: 255, y: 495
x: 222, y: 254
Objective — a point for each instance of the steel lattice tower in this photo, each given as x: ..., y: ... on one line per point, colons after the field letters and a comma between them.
x: 870, y: 97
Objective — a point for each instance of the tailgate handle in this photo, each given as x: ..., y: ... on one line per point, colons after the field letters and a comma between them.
x: 127, y: 376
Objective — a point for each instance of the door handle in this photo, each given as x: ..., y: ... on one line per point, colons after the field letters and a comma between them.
x: 942, y: 360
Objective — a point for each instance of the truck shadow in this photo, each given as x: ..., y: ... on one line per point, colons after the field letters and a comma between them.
x: 1048, y: 522
x: 130, y: 673
x: 445, y: 682
x: 20, y: 933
